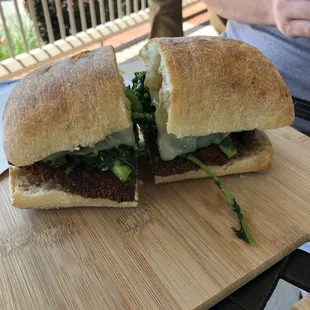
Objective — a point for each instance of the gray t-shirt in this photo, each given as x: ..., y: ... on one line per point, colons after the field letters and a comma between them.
x: 290, y: 56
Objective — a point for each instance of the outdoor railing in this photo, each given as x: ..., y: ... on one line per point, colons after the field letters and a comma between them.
x: 34, y: 32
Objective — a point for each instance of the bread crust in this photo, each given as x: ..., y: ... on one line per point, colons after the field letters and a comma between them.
x: 73, y: 102
x: 215, y: 84
x: 257, y: 161
x: 25, y: 194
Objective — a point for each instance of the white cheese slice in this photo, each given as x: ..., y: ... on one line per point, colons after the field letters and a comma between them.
x: 124, y: 137
x: 169, y: 146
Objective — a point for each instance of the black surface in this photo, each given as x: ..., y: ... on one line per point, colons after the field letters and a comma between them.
x: 302, y: 108
x: 294, y: 269
x: 297, y: 270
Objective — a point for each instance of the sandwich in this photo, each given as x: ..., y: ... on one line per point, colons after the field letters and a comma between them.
x: 69, y: 138
x: 211, y: 97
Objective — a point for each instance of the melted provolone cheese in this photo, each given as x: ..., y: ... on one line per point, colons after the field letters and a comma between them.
x: 124, y: 137
x: 169, y: 146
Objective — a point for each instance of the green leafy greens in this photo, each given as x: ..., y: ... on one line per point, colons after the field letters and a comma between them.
x: 146, y: 110
x: 145, y: 118
x: 121, y: 161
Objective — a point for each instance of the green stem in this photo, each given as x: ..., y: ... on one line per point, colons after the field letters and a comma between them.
x: 142, y: 116
x: 228, y: 147
x: 136, y: 105
x: 243, y: 232
x: 121, y: 171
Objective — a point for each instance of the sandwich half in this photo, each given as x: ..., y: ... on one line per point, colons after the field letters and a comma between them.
x: 69, y: 137
x: 212, y: 97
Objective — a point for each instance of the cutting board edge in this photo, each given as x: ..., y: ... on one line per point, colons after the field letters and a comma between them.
x: 253, y: 274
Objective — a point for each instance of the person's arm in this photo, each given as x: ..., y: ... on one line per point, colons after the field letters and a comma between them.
x: 251, y: 12
x: 292, y: 17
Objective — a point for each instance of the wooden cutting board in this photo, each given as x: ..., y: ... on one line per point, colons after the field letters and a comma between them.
x: 303, y: 304
x: 176, y: 251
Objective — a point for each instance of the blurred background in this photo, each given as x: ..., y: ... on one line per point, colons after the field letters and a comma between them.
x: 36, y: 32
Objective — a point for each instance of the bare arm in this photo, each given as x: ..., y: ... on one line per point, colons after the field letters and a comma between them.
x: 292, y: 17
x: 247, y: 11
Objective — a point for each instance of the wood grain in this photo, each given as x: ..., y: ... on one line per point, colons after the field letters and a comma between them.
x: 303, y: 304
x: 177, y: 251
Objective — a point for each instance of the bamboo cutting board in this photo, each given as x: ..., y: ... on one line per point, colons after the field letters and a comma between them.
x: 304, y: 304
x: 176, y: 251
